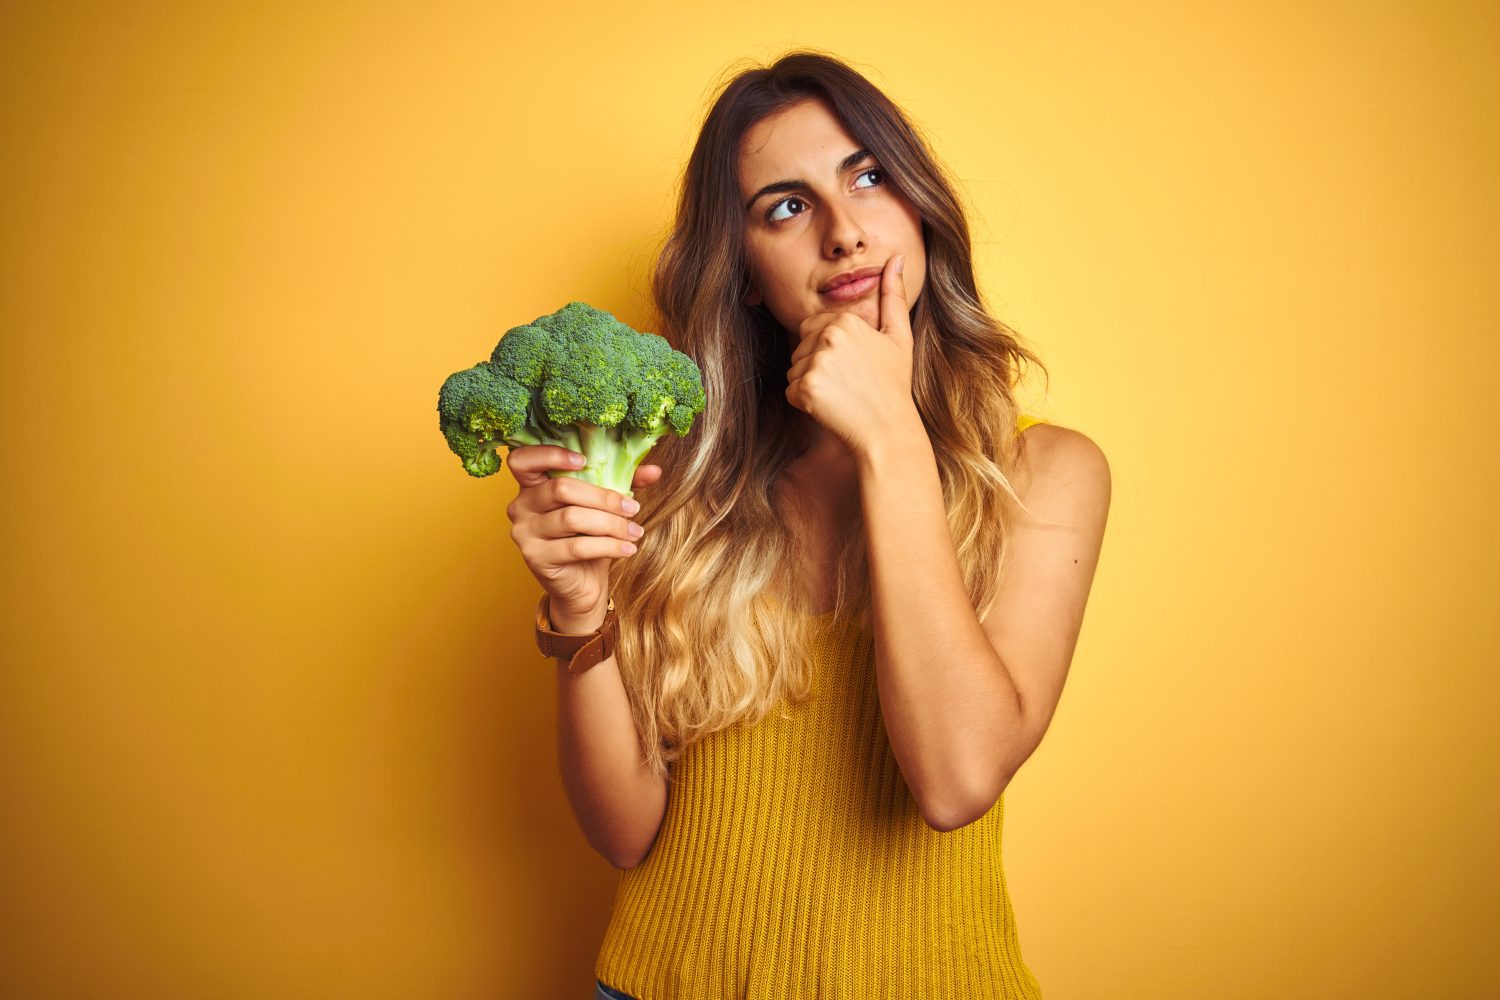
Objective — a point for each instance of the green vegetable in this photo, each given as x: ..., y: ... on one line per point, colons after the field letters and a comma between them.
x: 578, y: 378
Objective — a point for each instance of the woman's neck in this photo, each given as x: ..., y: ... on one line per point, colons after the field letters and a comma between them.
x: 823, y: 476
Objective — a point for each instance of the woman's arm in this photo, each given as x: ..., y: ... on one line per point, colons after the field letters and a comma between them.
x: 619, y: 802
x: 966, y: 704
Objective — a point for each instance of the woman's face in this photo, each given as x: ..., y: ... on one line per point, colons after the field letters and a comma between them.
x: 829, y: 212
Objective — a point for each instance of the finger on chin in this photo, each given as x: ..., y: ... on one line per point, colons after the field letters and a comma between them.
x: 892, y: 293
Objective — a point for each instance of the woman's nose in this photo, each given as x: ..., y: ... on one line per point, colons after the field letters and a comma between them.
x: 844, y: 235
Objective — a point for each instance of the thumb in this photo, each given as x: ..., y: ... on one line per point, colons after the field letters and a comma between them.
x: 895, y: 312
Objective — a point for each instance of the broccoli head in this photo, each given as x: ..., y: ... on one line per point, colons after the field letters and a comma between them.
x: 578, y: 378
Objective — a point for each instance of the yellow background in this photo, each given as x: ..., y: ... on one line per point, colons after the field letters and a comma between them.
x: 273, y: 723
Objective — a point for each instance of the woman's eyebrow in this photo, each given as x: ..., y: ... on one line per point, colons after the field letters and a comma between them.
x: 853, y: 159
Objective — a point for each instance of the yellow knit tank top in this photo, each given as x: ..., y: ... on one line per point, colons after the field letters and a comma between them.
x: 793, y: 862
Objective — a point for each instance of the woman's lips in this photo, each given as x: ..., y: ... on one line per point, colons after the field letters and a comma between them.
x: 853, y: 289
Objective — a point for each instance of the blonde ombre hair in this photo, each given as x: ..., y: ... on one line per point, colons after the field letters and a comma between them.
x: 715, y: 629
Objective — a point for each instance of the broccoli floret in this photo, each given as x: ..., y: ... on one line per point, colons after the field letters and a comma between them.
x: 478, y: 410
x: 578, y: 378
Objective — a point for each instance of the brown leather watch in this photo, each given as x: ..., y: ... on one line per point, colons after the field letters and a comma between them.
x: 585, y: 650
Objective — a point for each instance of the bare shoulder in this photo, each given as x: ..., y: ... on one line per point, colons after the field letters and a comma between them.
x: 1060, y: 460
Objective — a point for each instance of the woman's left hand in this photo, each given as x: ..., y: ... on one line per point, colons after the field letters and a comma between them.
x: 853, y: 379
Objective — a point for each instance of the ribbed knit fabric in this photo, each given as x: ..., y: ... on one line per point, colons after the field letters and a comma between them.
x: 793, y: 862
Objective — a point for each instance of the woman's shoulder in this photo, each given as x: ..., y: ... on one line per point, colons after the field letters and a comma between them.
x: 1056, y: 452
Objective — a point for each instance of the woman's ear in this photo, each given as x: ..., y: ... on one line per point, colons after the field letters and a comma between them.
x: 752, y: 297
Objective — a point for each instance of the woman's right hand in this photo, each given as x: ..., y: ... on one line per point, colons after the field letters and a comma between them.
x: 568, y: 530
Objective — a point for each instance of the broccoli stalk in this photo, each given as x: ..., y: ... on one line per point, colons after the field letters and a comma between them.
x: 578, y: 378
x: 612, y: 455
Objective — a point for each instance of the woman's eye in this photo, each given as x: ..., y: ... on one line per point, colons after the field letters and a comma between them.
x: 771, y: 215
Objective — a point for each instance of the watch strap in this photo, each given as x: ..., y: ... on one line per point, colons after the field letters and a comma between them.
x: 581, y: 651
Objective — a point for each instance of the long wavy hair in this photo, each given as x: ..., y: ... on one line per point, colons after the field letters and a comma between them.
x: 715, y: 629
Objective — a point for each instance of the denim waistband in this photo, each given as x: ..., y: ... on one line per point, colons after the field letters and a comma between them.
x: 602, y: 992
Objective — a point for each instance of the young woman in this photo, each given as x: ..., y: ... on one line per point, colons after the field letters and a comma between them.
x: 857, y: 589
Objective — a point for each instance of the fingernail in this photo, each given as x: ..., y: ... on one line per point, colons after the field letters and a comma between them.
x: 629, y: 506
x: 900, y: 263
x: 575, y: 459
